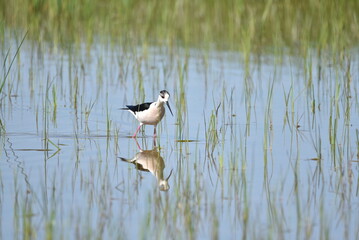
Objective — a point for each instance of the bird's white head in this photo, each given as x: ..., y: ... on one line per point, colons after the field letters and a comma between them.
x: 164, y: 96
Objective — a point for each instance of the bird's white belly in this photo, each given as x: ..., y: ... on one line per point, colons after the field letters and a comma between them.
x: 151, y: 116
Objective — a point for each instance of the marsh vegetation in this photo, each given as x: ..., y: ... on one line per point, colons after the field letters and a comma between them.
x: 264, y: 142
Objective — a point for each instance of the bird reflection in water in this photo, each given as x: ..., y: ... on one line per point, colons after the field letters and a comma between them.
x: 151, y: 161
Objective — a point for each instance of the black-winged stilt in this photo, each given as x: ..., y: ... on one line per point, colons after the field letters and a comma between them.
x: 150, y: 113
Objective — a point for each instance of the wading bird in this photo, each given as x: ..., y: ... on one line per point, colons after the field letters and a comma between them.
x: 150, y: 113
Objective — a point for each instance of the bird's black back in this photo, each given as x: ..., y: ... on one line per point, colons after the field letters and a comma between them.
x: 140, y: 107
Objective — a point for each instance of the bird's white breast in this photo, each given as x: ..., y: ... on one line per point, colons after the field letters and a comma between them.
x: 152, y: 115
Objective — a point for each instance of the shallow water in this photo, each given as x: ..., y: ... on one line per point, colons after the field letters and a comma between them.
x: 259, y: 149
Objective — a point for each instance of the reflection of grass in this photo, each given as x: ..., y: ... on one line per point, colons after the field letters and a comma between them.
x: 243, y: 25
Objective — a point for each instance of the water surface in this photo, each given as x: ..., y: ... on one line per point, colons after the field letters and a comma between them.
x: 260, y: 149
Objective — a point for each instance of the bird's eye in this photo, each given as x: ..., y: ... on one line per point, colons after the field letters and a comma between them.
x: 162, y: 96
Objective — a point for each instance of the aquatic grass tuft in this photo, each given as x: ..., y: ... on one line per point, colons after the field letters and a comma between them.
x: 180, y: 101
x: 211, y: 134
x: 88, y: 109
x: 268, y: 123
x: 7, y: 71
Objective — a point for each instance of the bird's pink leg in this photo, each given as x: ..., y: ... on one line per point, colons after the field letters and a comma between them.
x: 155, y: 132
x: 138, y: 129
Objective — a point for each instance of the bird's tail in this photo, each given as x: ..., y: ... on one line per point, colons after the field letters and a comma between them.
x: 125, y: 108
x: 125, y: 160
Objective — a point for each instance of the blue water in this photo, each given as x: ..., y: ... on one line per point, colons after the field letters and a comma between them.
x: 261, y: 179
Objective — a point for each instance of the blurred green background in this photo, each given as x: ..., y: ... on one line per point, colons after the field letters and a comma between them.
x: 244, y: 25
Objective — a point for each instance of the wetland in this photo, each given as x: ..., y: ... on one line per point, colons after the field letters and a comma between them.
x: 263, y: 144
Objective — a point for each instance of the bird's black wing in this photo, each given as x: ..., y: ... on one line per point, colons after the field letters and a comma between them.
x: 139, y: 107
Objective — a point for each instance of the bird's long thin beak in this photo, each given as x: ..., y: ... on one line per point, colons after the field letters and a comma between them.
x: 168, y: 105
x: 169, y: 175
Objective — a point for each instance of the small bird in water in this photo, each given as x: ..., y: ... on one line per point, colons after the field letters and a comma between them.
x: 150, y: 113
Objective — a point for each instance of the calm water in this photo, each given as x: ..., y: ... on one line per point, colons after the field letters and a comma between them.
x: 243, y: 146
